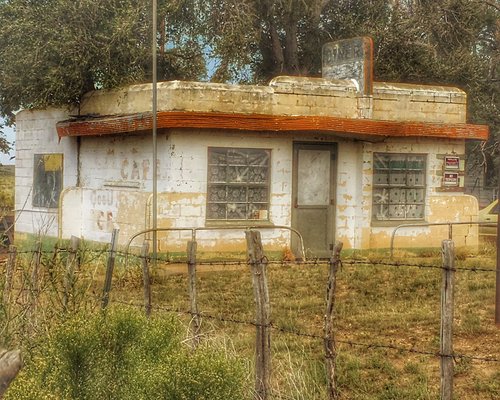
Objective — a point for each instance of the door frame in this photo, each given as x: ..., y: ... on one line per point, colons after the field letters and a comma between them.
x: 331, y: 228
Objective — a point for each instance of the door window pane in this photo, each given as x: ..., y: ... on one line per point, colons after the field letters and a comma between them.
x: 313, y: 183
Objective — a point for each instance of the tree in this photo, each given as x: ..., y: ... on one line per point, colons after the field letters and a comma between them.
x: 4, y: 144
x: 54, y: 51
x: 273, y: 37
x: 450, y: 42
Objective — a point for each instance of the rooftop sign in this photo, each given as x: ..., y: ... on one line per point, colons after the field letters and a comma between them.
x: 350, y: 59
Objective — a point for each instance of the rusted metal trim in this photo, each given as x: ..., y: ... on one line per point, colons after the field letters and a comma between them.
x: 427, y: 224
x: 121, y: 124
x: 218, y: 228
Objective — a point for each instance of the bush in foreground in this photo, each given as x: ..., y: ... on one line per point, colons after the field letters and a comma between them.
x: 122, y: 355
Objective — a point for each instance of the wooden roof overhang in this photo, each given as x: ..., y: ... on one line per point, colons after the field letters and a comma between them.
x: 363, y: 128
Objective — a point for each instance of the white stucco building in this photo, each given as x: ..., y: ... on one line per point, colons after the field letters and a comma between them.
x: 313, y: 154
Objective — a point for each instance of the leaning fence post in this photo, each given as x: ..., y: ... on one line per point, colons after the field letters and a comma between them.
x: 446, y: 335
x: 69, y: 276
x: 329, y: 341
x: 191, y: 262
x: 10, y: 365
x: 109, y: 268
x: 9, y: 275
x: 258, y: 264
x: 146, y: 278
x: 35, y: 284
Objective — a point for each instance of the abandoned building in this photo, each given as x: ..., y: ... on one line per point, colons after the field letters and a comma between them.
x: 336, y: 158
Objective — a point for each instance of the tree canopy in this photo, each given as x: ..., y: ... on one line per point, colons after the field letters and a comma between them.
x: 53, y: 51
x: 4, y: 144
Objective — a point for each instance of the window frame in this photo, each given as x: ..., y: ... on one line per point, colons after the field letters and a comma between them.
x: 226, y: 183
x: 420, y: 187
x: 41, y: 175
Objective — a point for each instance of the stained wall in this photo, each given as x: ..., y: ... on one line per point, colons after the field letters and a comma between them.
x: 108, y: 179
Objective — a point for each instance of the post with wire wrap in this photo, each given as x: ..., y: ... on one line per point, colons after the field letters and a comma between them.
x: 258, y: 265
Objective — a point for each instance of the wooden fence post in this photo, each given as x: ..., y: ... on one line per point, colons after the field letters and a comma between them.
x: 446, y: 335
x: 146, y: 278
x: 109, y: 268
x: 69, y: 276
x: 191, y: 262
x: 9, y: 275
x: 10, y: 364
x: 258, y: 264
x: 329, y: 341
x: 35, y: 284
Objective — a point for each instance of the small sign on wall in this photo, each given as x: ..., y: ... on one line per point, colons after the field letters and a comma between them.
x: 451, y: 162
x: 452, y: 178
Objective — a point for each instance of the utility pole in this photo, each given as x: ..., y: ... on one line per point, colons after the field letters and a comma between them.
x: 155, y: 150
x: 497, y: 287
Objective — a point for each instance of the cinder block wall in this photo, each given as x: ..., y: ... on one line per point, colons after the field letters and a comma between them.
x: 36, y: 134
x: 115, y: 172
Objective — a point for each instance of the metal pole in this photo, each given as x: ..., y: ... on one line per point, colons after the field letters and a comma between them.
x: 155, y: 150
x: 497, y: 290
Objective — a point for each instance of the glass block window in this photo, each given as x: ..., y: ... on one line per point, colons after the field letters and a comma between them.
x: 398, y: 187
x: 238, y: 184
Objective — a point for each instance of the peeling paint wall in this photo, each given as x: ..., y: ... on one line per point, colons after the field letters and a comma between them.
x: 117, y: 197
x: 439, y: 206
x: 114, y: 172
x: 413, y: 102
x: 36, y: 134
x: 117, y: 185
x: 290, y: 96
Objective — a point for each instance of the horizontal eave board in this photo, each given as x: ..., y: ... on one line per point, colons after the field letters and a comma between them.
x: 122, y: 124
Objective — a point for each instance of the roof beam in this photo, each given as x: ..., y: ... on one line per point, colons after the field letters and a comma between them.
x: 122, y: 124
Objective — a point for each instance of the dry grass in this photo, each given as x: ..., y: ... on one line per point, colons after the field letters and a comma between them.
x: 394, y: 307
x: 6, y: 188
x: 376, y: 305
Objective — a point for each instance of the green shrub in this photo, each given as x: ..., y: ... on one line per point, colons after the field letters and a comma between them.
x: 122, y: 355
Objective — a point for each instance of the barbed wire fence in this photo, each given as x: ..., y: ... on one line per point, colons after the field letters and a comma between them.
x: 56, y: 277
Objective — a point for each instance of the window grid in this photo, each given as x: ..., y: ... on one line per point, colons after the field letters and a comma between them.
x: 238, y: 184
x: 399, y: 187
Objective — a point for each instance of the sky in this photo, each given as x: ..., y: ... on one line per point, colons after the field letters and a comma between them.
x: 10, y: 135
